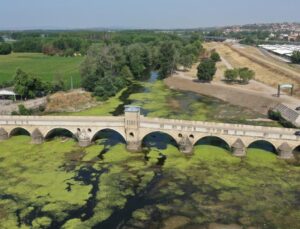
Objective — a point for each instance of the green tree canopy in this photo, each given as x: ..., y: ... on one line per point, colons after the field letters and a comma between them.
x: 231, y: 74
x: 167, y: 59
x: 215, y: 56
x: 206, y: 70
x: 5, y: 48
x: 138, y: 59
x: 296, y: 57
x: 246, y: 75
x: 29, y: 86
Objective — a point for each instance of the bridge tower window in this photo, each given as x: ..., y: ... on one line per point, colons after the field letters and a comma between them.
x: 131, y: 134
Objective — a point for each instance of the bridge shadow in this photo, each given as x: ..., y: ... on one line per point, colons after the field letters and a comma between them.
x: 108, y: 137
x: 59, y: 133
x: 263, y: 145
x: 158, y: 140
x: 296, y: 153
x: 213, y: 141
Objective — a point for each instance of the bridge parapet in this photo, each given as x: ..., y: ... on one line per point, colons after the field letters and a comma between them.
x: 220, y: 128
x: 133, y: 127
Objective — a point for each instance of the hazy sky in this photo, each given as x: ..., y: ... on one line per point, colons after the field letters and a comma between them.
x: 143, y: 13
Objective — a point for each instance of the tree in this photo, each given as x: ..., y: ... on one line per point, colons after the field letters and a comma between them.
x: 27, y: 86
x: 5, y: 48
x: 126, y: 73
x: 28, y: 45
x: 206, y: 70
x: 296, y: 57
x: 135, y: 55
x: 245, y: 75
x: 186, y: 60
x: 215, y: 56
x: 167, y: 59
x: 104, y: 70
x: 231, y: 74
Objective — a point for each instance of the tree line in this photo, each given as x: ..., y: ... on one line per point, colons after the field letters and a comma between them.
x: 109, y: 67
x: 112, y: 62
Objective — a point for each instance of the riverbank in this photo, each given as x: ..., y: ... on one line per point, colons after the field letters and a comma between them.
x: 235, y: 96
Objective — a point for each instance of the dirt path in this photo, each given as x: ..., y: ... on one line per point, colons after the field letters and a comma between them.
x: 30, y: 104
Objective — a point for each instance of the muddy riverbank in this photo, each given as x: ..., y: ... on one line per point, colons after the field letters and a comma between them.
x: 238, y: 97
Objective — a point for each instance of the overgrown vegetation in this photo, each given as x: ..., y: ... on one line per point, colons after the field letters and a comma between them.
x: 5, y: 48
x: 240, y: 75
x: 71, y: 187
x: 29, y: 87
x: 112, y: 58
x: 296, y: 57
x: 109, y: 67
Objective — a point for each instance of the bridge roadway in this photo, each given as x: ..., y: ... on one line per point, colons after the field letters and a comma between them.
x: 134, y: 127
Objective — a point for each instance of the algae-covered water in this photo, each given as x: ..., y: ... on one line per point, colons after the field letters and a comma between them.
x: 157, y: 100
x: 59, y: 185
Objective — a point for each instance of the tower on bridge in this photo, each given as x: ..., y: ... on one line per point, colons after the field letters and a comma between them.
x: 132, y: 125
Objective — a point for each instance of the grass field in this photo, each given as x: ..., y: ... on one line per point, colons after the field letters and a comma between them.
x: 45, y: 67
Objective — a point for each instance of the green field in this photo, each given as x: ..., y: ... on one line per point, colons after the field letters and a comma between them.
x: 46, y: 67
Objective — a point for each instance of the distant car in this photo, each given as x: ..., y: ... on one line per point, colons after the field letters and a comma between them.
x: 297, y: 133
x: 298, y: 109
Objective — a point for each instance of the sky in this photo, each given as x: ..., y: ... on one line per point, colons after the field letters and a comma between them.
x: 138, y: 14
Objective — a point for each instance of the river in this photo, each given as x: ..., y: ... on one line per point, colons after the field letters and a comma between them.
x: 60, y: 185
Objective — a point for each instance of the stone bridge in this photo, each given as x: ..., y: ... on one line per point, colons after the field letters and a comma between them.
x: 134, y: 127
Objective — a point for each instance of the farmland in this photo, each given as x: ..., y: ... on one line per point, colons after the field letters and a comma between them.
x: 45, y: 67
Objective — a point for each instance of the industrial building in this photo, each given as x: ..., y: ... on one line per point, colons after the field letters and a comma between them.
x: 281, y: 50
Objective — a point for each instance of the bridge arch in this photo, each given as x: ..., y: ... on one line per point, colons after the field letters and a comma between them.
x: 19, y: 131
x: 263, y: 145
x: 59, y: 132
x: 113, y: 136
x: 296, y: 152
x: 159, y: 139
x: 213, y: 141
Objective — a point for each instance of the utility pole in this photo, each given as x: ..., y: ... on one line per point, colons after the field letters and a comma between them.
x: 71, y: 82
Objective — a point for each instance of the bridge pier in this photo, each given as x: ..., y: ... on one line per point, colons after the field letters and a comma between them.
x: 134, y: 146
x: 37, y: 137
x: 285, y: 151
x: 239, y: 148
x: 185, y: 145
x: 3, y: 134
x: 83, y: 138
